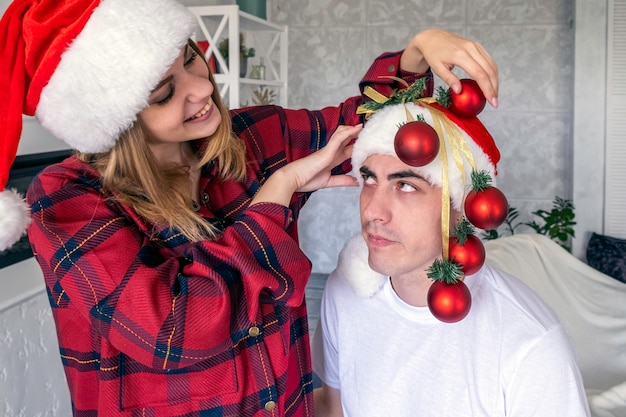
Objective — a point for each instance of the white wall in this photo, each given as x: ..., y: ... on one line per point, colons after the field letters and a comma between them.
x: 32, y: 382
x: 589, y: 120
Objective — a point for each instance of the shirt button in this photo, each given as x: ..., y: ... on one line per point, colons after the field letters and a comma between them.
x: 270, y: 405
x: 254, y: 331
x: 391, y: 68
x: 205, y: 197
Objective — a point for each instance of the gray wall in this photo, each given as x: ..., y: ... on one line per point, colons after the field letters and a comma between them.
x: 332, y: 42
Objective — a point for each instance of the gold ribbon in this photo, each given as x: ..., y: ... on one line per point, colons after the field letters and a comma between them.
x: 445, y: 188
x: 374, y: 95
x: 458, y: 147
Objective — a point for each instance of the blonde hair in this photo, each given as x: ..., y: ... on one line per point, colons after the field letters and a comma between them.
x: 162, y: 195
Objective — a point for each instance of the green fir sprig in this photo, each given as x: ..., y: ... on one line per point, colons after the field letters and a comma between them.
x: 443, y: 97
x: 481, y: 180
x: 418, y: 118
x: 445, y: 270
x: 410, y: 94
x: 462, y: 229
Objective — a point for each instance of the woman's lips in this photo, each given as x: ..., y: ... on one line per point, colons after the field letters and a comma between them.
x: 203, y: 114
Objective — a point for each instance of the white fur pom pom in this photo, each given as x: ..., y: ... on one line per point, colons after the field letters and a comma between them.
x: 14, y: 217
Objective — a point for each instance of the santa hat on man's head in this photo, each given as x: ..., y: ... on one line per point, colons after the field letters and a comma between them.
x: 379, y: 133
x: 85, y: 69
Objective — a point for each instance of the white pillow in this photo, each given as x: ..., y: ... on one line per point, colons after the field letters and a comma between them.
x: 610, y: 403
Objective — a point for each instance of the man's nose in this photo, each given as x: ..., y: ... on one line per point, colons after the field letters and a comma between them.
x: 376, y: 206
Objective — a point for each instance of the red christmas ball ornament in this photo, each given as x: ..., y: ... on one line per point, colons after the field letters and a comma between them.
x: 486, y: 209
x: 470, y: 101
x: 470, y: 255
x: 416, y: 143
x: 449, y: 302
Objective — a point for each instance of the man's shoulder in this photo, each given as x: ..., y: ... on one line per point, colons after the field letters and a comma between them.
x: 514, y: 298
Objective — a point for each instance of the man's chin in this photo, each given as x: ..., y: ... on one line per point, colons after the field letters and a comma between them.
x: 382, y: 266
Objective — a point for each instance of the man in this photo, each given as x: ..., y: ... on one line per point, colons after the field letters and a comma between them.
x: 380, y: 348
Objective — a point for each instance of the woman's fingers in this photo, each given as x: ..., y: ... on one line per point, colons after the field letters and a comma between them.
x: 444, y: 50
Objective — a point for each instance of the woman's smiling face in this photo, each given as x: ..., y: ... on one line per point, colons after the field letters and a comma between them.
x: 180, y: 107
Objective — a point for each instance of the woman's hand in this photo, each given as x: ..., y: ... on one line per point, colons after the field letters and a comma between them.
x: 312, y: 172
x: 442, y: 51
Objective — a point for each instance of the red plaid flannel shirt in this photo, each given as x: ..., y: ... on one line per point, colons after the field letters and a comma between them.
x: 150, y: 324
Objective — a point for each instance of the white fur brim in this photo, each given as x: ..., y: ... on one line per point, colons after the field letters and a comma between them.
x: 353, y: 264
x: 378, y: 135
x: 14, y: 218
x: 108, y: 72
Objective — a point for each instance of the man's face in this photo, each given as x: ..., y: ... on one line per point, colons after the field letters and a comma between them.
x: 400, y: 217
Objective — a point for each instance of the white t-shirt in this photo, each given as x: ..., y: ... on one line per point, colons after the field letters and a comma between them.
x: 510, y: 356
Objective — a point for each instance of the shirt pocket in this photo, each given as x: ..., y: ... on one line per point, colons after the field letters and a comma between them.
x: 144, y: 387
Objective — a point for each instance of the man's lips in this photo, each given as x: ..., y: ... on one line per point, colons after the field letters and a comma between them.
x: 378, y: 240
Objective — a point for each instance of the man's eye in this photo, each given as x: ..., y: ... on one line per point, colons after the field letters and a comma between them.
x: 368, y: 179
x: 406, y: 187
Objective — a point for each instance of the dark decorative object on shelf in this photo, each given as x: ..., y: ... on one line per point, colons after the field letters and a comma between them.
x: 23, y: 170
x: 257, y: 8
x: 244, y: 54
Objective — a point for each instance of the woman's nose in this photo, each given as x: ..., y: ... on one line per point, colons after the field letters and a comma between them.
x: 198, y: 87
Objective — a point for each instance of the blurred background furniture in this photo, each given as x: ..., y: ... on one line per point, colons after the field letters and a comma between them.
x: 591, y: 305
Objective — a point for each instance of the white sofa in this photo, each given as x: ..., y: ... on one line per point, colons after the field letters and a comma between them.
x: 591, y: 305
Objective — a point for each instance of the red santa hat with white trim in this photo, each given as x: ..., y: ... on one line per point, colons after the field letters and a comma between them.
x: 443, y: 146
x: 466, y: 145
x: 84, y: 69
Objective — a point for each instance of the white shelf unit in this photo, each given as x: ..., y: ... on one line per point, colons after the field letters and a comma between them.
x: 268, y: 39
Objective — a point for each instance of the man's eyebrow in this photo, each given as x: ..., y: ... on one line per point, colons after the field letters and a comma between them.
x: 405, y: 174
x: 396, y: 175
x: 366, y: 171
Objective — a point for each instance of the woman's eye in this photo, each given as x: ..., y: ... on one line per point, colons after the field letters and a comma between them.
x: 167, y: 97
x: 192, y: 57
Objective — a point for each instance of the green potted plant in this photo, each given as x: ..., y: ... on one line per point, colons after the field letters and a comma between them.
x: 558, y: 223
x: 244, y: 53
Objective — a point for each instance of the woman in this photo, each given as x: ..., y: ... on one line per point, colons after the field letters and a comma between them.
x: 168, y: 242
